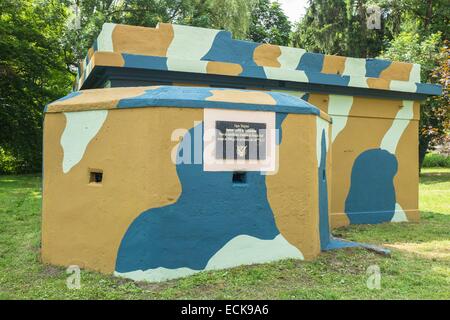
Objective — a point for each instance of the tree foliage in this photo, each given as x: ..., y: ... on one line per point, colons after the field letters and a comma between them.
x: 269, y: 24
x: 33, y: 72
x: 410, y: 47
x: 411, y: 31
x: 41, y: 42
x: 231, y: 15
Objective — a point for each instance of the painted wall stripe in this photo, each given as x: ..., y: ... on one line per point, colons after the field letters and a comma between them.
x: 241, y: 250
x: 190, y: 43
x: 393, y: 135
x: 321, y: 125
x: 403, y: 86
x: 414, y: 76
x: 339, y: 108
x: 399, y: 215
x: 104, y: 40
x: 81, y: 128
x: 290, y: 57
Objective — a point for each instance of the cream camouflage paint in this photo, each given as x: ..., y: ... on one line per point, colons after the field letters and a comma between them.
x: 414, y: 75
x: 339, y: 108
x: 401, y: 121
x: 356, y: 69
x: 321, y: 125
x: 390, y: 142
x: 199, y: 42
x: 181, y: 66
x: 285, y: 74
x: 404, y: 86
x: 104, y: 40
x: 290, y: 57
x: 399, y: 214
x: 241, y: 250
x: 81, y: 128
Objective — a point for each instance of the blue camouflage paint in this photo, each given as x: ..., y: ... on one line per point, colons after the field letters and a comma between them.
x: 311, y: 62
x: 428, y: 88
x: 332, y: 79
x: 375, y: 66
x: 279, y: 118
x: 225, y: 49
x: 144, y: 62
x: 194, y: 97
x: 209, y: 212
x: 306, y: 96
x: 371, y: 198
x: 324, y: 225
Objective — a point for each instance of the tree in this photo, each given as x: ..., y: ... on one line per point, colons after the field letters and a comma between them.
x: 411, y: 31
x: 269, y: 24
x: 323, y: 28
x: 436, y: 130
x: 33, y: 72
x: 409, y: 47
x: 339, y: 27
x: 231, y: 15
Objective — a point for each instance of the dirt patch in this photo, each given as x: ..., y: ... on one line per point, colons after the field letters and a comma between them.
x: 431, y: 250
x: 51, y: 271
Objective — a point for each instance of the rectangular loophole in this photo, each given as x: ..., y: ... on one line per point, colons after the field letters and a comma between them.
x: 95, y: 176
x: 239, y: 177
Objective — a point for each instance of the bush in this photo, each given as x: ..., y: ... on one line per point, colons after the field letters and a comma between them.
x: 8, y: 163
x: 436, y: 160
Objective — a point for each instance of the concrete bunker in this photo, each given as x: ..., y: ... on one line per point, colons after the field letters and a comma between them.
x: 133, y: 184
x: 116, y: 152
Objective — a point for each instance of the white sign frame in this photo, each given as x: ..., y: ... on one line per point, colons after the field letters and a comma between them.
x: 210, y: 163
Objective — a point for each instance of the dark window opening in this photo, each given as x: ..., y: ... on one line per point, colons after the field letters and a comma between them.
x: 239, y: 177
x: 95, y: 176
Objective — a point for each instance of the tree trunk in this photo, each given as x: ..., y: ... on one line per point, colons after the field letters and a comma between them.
x: 423, y: 148
x: 429, y: 14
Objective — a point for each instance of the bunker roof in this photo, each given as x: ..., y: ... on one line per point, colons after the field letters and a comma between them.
x: 175, y: 53
x: 182, y: 97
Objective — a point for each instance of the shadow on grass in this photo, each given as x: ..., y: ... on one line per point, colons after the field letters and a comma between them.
x: 428, y: 178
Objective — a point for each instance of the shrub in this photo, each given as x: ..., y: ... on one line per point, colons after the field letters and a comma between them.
x: 436, y: 160
x: 8, y: 163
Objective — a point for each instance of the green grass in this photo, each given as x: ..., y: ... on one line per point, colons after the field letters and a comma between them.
x: 418, y: 268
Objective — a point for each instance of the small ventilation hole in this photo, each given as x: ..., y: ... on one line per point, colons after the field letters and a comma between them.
x: 239, y: 177
x: 95, y: 176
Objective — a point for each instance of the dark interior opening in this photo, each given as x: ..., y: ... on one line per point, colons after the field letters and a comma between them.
x: 239, y: 177
x: 95, y: 176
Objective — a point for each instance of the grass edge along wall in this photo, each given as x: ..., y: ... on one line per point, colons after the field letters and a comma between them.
x: 151, y: 219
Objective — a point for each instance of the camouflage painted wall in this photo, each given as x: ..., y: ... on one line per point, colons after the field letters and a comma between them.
x: 153, y: 219
x: 375, y: 158
x: 211, y: 51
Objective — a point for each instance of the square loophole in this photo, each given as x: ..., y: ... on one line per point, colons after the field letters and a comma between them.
x: 239, y: 177
x: 95, y: 176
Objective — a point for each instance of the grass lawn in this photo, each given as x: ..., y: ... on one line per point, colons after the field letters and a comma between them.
x: 418, y: 268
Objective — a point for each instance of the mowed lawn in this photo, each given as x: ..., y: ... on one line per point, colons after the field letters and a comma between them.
x: 418, y: 268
